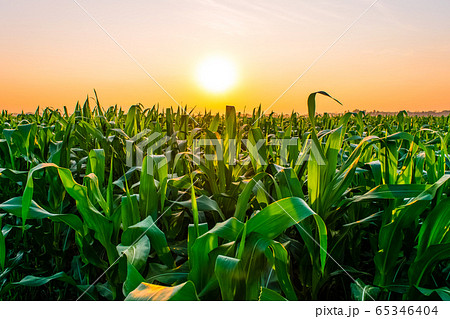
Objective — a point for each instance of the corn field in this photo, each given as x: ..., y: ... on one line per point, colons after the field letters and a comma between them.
x: 163, y: 204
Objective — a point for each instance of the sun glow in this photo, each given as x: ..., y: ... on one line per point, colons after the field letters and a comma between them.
x: 216, y: 74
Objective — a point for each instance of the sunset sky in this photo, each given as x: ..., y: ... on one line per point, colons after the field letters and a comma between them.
x: 397, y: 56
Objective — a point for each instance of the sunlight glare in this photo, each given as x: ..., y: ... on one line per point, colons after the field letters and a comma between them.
x: 216, y: 74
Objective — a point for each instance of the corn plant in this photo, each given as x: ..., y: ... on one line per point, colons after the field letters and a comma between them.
x: 167, y: 204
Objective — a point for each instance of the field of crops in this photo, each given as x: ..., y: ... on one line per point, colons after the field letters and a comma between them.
x: 159, y: 204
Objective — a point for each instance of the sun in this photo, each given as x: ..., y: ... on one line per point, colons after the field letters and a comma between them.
x: 216, y: 74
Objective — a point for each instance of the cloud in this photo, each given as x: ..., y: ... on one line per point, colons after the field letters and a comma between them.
x: 254, y: 17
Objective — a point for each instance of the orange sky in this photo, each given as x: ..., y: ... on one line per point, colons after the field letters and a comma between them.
x: 397, y: 56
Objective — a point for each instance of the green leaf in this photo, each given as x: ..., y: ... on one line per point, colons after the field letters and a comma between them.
x: 435, y: 228
x: 214, y: 125
x: 311, y: 244
x: 199, y: 249
x: 392, y: 192
x: 363, y: 292
x: 257, y: 149
x: 229, y: 274
x: 230, y: 132
x: 278, y: 216
x: 33, y: 281
x: 444, y: 293
x: 149, y: 292
x: 2, y: 247
x: 148, y: 195
x: 280, y: 255
x: 105, y: 290
x: 129, y: 211
x: 96, y: 164
x: 423, y: 266
x: 289, y: 183
x: 137, y: 253
x: 244, y: 196
x: 270, y: 295
x: 93, y: 188
x: 14, y: 207
x: 134, y: 279
x: 389, y: 161
x: 204, y: 203
x: 156, y: 236
x: 94, y: 220
x: 312, y: 105
x: 390, y: 235
x: 132, y: 123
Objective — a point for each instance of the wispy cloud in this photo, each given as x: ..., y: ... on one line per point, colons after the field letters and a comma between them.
x: 224, y: 16
x: 252, y: 17
x: 393, y: 16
